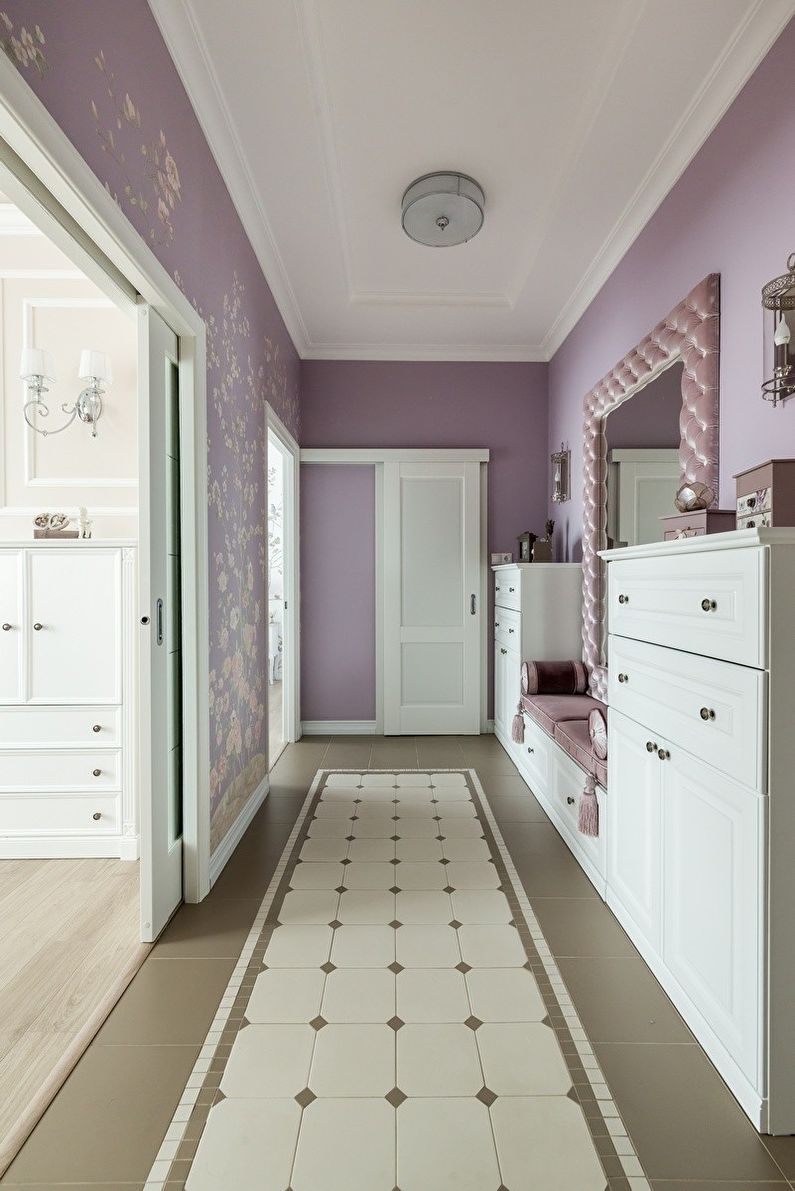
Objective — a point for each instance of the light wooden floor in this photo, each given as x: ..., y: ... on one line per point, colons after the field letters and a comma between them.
x: 69, y: 944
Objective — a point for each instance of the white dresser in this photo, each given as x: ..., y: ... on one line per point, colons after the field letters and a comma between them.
x: 537, y: 616
x: 67, y: 700
x: 701, y: 794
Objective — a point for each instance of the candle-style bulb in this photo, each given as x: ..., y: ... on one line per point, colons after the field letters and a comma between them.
x: 782, y: 335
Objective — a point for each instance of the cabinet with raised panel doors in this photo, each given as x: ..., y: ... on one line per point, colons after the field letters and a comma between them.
x: 67, y: 726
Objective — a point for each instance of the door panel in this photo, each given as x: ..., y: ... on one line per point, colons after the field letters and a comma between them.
x: 11, y: 638
x: 160, y: 651
x: 432, y: 616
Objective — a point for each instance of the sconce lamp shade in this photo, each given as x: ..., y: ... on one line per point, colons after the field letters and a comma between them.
x: 35, y: 361
x: 95, y: 365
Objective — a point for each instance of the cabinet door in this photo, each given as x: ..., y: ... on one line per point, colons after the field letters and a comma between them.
x: 634, y: 829
x: 74, y: 597
x: 500, y: 687
x: 713, y: 899
x: 11, y: 634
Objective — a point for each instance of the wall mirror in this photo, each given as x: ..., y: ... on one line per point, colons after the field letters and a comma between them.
x: 674, y: 370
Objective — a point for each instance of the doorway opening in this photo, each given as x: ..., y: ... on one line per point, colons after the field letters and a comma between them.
x: 276, y: 609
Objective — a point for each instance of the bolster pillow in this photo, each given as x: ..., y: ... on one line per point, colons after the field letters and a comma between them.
x: 597, y: 730
x: 554, y: 678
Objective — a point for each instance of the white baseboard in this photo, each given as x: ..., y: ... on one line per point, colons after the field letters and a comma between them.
x: 338, y: 727
x: 223, y: 852
x: 487, y: 727
x: 69, y: 847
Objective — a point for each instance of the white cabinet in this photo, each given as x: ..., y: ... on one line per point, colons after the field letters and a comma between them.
x: 67, y: 700
x: 634, y: 834
x: 507, y: 667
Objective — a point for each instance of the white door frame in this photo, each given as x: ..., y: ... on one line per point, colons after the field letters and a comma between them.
x: 375, y: 456
x: 43, y: 173
x: 291, y: 671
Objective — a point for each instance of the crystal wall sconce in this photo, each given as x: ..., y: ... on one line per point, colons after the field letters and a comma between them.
x: 36, y: 367
x: 561, y: 472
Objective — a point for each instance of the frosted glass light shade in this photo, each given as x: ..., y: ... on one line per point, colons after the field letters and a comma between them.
x: 95, y: 364
x: 35, y: 361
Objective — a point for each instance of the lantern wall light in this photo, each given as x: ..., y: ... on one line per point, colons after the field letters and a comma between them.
x: 778, y: 303
x: 561, y: 474
x: 37, y: 367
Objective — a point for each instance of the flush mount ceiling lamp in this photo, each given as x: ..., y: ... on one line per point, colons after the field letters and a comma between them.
x: 443, y: 209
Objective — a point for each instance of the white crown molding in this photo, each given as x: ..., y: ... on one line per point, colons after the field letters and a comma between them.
x: 429, y: 298
x: 752, y: 39
x: 194, y: 65
x: 500, y: 353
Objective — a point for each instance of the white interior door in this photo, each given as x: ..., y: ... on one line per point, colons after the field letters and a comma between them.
x: 432, y: 613
x: 160, y: 605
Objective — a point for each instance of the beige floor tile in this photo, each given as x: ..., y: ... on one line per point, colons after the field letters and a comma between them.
x: 366, y: 907
x: 619, y: 1000
x: 451, y: 781
x: 424, y: 907
x: 269, y: 1060
x: 684, y: 1121
x: 155, y: 1009
x: 522, y: 1059
x: 416, y: 780
x: 456, y: 809
x: 353, y: 1060
x: 427, y: 947
x: 286, y: 995
x: 371, y: 850
x: 108, y: 1120
x: 368, y: 875
x: 438, y: 1060
x: 336, y: 810
x: 411, y: 874
x: 417, y: 828
x: 466, y: 849
x: 350, y: 780
x: 309, y: 907
x: 461, y: 829
x: 246, y: 1144
x: 375, y: 780
x: 215, y: 927
x: 424, y: 850
x: 416, y: 807
x: 445, y: 1143
x: 543, y: 1142
x: 346, y: 1145
x: 328, y: 850
x: 337, y: 794
x: 481, y: 906
x: 581, y: 927
x: 432, y: 995
x: 472, y: 874
x: 363, y: 947
x: 505, y: 994
x: 330, y: 828
x: 298, y: 947
x: 491, y: 946
x: 359, y: 995
x: 381, y: 797
x: 373, y: 827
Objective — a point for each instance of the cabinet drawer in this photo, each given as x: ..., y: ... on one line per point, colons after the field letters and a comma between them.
x: 508, y: 627
x: 567, y: 782
x: 704, y: 602
x: 715, y: 710
x: 52, y: 727
x: 533, y: 756
x: 25, y: 814
x: 508, y: 589
x: 59, y: 771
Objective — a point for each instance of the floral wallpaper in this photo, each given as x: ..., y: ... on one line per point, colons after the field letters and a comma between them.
x: 103, y: 71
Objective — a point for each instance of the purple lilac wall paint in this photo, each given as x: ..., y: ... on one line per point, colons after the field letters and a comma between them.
x: 727, y: 214
x: 338, y: 592
x: 103, y: 71
x: 651, y: 418
x: 405, y: 404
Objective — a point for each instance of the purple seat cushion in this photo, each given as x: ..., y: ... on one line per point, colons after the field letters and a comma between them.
x: 548, y: 710
x: 575, y: 739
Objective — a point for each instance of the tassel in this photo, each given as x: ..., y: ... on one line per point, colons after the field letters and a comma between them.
x: 588, y: 818
x: 517, y: 727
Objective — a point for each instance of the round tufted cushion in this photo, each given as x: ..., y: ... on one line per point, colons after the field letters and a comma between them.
x: 597, y: 730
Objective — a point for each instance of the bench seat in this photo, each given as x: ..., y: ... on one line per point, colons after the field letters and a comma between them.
x: 565, y: 719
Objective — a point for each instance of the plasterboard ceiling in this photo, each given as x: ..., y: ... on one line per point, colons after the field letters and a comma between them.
x: 576, y: 118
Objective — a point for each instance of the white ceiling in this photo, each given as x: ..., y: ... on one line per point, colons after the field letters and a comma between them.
x: 576, y: 116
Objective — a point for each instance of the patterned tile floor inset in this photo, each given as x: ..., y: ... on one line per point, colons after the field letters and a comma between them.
x: 395, y: 1021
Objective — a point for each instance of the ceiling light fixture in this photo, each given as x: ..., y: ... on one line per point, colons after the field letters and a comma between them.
x: 443, y: 209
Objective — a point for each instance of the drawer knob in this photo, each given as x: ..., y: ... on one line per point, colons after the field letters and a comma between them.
x: 663, y: 754
x: 623, y: 599
x: 496, y: 624
x: 38, y: 626
x: 707, y: 713
x: 530, y: 750
x: 7, y: 627
x: 708, y: 605
x: 511, y: 589
x: 570, y: 800
x: 503, y: 651
x: 623, y: 678
x: 96, y: 772
x: 96, y: 816
x: 97, y: 728
x: 510, y: 630
x: 651, y: 747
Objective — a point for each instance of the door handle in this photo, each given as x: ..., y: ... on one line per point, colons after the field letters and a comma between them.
x: 160, y: 622
x: 473, y: 604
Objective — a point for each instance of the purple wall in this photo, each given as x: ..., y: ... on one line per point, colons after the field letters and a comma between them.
x: 103, y: 71
x: 338, y: 592
x: 729, y: 214
x: 404, y: 404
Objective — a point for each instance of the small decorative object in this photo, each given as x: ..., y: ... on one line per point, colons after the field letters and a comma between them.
x: 52, y: 525
x: 597, y: 730
x: 588, y: 817
x: 525, y: 541
x: 84, y: 525
x: 36, y: 366
x: 517, y: 726
x: 498, y: 560
x: 561, y: 471
x: 697, y: 523
x: 694, y: 496
x: 766, y: 494
x: 542, y: 547
x: 778, y: 301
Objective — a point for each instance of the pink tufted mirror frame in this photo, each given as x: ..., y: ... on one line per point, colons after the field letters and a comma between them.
x: 691, y: 332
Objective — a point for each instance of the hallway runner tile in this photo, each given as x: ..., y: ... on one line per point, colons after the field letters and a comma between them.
x: 396, y: 1020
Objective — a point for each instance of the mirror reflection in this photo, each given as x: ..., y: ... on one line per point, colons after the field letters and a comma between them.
x: 643, y: 460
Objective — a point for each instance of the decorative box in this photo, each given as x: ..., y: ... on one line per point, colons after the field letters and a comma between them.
x: 697, y: 523
x: 755, y: 502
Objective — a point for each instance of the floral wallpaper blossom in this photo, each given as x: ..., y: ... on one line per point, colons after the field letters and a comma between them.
x: 103, y: 71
